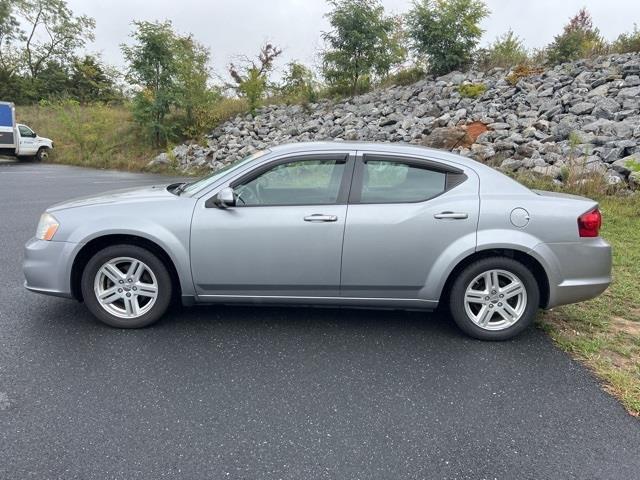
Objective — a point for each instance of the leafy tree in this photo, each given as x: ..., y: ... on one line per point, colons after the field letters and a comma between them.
x: 10, y: 31
x: 579, y: 39
x: 171, y: 73
x: 193, y: 93
x: 361, y: 44
x: 38, y: 41
x: 627, y: 42
x: 91, y: 81
x: 251, y: 78
x: 446, y: 32
x: 52, y: 32
x: 298, y: 83
x: 507, y: 51
x: 153, y: 68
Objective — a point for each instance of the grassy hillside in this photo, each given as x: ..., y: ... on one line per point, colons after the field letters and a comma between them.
x: 93, y: 136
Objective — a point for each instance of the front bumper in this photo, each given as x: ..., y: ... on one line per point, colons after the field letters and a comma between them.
x: 47, y: 267
x: 577, y: 271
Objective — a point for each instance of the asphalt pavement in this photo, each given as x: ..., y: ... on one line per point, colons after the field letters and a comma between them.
x: 278, y: 393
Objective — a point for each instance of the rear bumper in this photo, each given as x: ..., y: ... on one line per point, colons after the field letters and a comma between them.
x: 47, y: 267
x: 577, y: 271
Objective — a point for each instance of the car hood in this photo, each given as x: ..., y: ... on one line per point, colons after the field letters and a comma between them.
x: 127, y: 195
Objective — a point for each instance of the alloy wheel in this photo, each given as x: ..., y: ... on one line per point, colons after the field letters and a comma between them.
x: 126, y: 287
x: 495, y: 299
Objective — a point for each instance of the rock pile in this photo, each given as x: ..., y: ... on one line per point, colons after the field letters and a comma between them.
x: 582, y: 117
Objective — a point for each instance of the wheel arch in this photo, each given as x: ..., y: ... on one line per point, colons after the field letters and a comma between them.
x: 95, y: 245
x: 536, y: 268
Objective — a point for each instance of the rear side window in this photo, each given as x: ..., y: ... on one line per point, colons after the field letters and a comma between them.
x: 388, y: 181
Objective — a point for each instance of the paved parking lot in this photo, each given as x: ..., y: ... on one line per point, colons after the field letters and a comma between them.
x: 238, y: 392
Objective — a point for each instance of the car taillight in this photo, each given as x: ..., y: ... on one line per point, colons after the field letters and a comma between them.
x: 589, y: 223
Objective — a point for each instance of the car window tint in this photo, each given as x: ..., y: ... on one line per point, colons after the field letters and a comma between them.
x: 395, y: 182
x: 303, y: 182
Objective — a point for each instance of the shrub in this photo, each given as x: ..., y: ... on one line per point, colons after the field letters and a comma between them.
x: 446, y: 32
x: 472, y: 90
x: 507, y: 51
x: 580, y: 39
x: 627, y: 42
x: 403, y: 77
x: 228, y: 108
x: 298, y: 84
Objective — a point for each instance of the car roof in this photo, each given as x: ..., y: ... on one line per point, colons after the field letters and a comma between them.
x: 400, y: 148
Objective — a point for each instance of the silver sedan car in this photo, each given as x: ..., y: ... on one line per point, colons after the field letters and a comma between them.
x: 341, y: 224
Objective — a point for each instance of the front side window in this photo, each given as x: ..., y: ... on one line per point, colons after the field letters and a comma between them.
x: 212, y: 178
x: 396, y: 182
x: 25, y: 131
x: 299, y: 182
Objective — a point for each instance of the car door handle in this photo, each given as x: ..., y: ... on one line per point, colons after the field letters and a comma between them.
x: 451, y: 215
x: 319, y: 217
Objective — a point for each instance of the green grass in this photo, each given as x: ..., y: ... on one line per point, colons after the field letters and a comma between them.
x: 604, y: 333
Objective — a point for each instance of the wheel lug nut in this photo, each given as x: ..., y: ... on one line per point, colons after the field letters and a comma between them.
x: 119, y: 290
x: 487, y: 298
x: 121, y: 281
x: 128, y: 294
x: 499, y: 304
x: 135, y: 288
x: 493, y: 291
x: 491, y: 305
x: 501, y: 295
x: 129, y: 280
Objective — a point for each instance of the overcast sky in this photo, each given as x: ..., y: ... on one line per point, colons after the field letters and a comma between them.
x: 231, y: 27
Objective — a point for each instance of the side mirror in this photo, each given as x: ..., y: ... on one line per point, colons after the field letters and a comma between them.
x: 225, y: 198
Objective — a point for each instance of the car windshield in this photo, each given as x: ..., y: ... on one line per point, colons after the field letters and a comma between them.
x: 210, y: 179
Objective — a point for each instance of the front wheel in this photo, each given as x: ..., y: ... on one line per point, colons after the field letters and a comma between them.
x: 126, y: 286
x: 42, y: 154
x: 494, y: 298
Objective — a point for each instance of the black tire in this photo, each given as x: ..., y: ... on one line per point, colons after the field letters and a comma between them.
x: 162, y: 276
x: 42, y: 154
x: 459, y: 287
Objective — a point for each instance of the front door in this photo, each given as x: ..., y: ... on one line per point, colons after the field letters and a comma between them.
x: 282, y: 238
x: 27, y: 141
x: 404, y: 214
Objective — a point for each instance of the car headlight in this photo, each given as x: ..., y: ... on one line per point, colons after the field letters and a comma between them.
x: 47, y: 227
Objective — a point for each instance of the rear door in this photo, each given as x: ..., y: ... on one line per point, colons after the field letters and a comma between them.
x: 406, y: 218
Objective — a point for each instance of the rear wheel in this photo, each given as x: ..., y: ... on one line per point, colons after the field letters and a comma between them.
x: 494, y: 298
x: 126, y: 286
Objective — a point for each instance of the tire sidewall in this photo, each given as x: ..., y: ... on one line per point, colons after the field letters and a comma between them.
x: 40, y: 154
x: 159, y: 269
x: 456, y: 299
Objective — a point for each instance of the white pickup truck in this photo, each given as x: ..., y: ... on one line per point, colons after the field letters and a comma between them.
x: 17, y: 140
